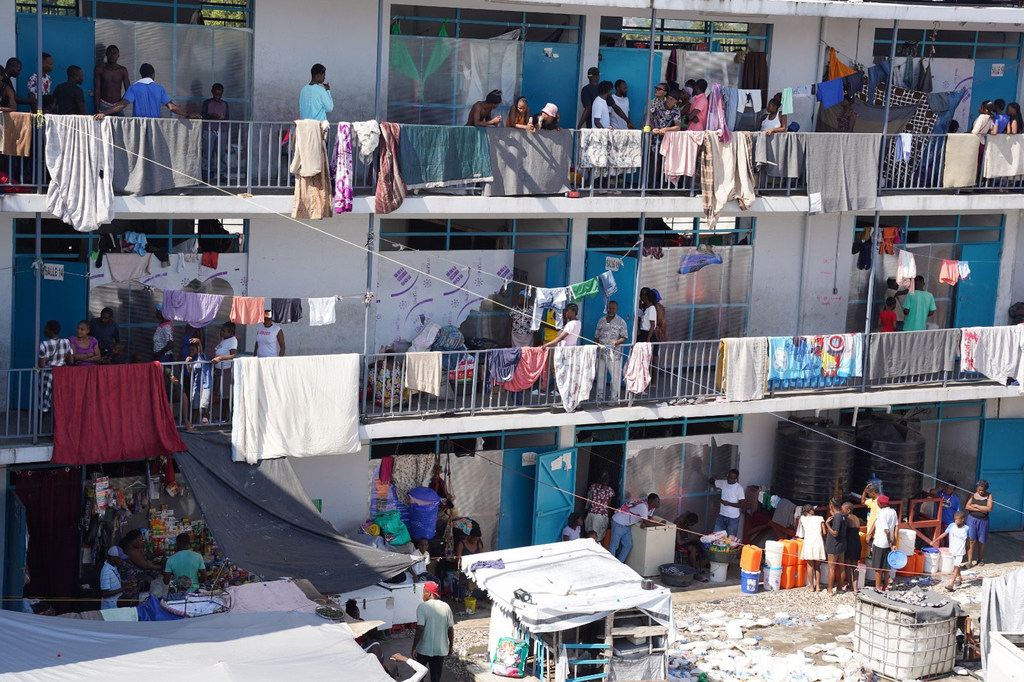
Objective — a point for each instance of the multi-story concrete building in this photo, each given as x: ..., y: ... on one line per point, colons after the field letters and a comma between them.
x: 786, y: 271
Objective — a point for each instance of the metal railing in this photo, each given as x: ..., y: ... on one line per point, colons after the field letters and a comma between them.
x: 199, y: 393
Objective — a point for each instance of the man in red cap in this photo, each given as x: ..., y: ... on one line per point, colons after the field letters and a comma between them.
x: 435, y: 632
x: 882, y: 532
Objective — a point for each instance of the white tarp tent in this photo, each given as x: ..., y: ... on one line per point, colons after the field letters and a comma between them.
x: 248, y: 646
x: 570, y: 584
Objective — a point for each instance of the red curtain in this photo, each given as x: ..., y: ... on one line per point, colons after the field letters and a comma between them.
x: 111, y: 413
x: 53, y: 505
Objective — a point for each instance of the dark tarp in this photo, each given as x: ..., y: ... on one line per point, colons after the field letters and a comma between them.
x: 262, y: 518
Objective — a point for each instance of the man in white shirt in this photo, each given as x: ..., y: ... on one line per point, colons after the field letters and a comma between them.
x: 619, y: 105
x: 623, y: 520
x: 110, y: 579
x: 599, y: 113
x: 731, y: 503
x: 882, y: 532
x: 610, y: 334
x: 570, y: 333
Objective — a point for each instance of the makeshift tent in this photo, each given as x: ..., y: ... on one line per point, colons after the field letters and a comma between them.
x: 559, y: 587
x: 247, y: 646
x: 263, y: 519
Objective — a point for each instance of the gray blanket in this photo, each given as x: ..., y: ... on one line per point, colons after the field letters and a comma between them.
x: 842, y: 171
x: 783, y: 154
x: 905, y: 354
x: 523, y: 163
x: 171, y: 143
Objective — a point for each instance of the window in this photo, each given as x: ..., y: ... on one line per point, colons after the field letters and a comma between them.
x: 949, y: 44
x: 235, y: 13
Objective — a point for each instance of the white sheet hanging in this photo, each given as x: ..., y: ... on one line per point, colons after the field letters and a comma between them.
x: 78, y: 156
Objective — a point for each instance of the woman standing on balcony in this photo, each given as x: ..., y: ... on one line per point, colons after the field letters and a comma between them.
x: 519, y: 116
x: 85, y: 350
x: 771, y: 120
x: 983, y: 124
x: 1016, y: 124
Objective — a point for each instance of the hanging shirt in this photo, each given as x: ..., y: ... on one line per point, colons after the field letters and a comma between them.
x: 266, y: 337
x: 830, y: 93
x: 315, y: 102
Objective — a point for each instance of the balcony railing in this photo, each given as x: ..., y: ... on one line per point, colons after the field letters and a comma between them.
x: 254, y: 156
x: 682, y: 372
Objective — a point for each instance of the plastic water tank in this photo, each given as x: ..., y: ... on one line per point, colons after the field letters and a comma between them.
x: 895, y: 440
x: 811, y: 462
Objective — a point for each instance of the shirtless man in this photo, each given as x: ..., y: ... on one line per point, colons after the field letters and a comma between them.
x: 111, y: 80
x: 480, y: 114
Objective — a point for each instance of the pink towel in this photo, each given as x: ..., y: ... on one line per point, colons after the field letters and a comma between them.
x: 532, y: 364
x: 680, y: 151
x: 638, y: 368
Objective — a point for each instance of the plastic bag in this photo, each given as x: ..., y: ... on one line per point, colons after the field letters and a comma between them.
x: 392, y: 528
x: 510, y: 658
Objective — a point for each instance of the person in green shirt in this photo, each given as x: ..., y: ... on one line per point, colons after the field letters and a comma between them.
x: 917, y: 307
x: 185, y: 563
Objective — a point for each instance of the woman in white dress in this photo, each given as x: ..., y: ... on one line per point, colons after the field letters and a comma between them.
x: 812, y: 529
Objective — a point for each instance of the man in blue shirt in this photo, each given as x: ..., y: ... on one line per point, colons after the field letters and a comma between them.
x: 315, y: 100
x: 147, y: 97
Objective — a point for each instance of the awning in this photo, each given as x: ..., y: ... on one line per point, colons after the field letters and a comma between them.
x: 248, y: 646
x: 263, y: 519
x: 569, y: 584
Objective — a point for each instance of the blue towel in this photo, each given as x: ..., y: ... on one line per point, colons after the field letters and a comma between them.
x: 443, y: 156
x: 879, y: 73
x: 695, y: 261
x: 502, y: 363
x: 830, y: 93
x: 138, y: 242
x: 945, y: 117
x: 608, y: 287
x: 152, y: 609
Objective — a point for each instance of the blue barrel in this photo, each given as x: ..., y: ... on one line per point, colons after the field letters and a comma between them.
x: 423, y: 513
x: 749, y: 582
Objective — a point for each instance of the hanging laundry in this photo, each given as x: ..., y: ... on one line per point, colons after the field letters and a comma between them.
x: 749, y: 98
x: 322, y: 311
x: 716, y: 113
x: 343, y: 169
x: 286, y: 310
x: 425, y: 339
x: 786, y: 107
x: 949, y: 273
x: 608, y: 287
x: 210, y: 259
x: 907, y: 355
x: 554, y: 299
x: 187, y: 246
x: 423, y: 372
x: 654, y: 252
x: 198, y: 310
x: 814, y: 361
x: 78, y: 157
x: 390, y: 192
x: 533, y: 364
x: 1004, y: 157
x: 606, y: 148
x: 679, y: 151
x: 166, y: 154
x: 692, y: 262
x: 906, y: 270
x: 124, y: 267
x: 432, y: 156
x: 830, y: 93
x: 964, y: 269
x: 755, y: 73
x: 854, y: 83
x: 904, y: 147
x: 731, y: 98
x: 803, y: 91
x: 575, y: 367
x: 367, y: 137
x: 924, y: 76
x: 502, y: 363
x: 584, y: 289
x: 960, y: 165
x: 638, y: 368
x: 745, y: 369
x: 877, y: 75
x: 863, y: 248
x: 836, y: 69
x: 311, y: 199
x: 842, y: 172
x: 781, y: 156
x: 15, y: 133
x: 888, y: 239
x: 136, y: 241
x: 726, y: 173
x: 247, y: 310
x: 994, y: 352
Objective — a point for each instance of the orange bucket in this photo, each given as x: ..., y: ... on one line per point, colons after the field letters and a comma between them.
x: 790, y: 552
x: 750, y: 558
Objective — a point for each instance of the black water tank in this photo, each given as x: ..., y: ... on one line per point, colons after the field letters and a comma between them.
x: 811, y: 459
x: 892, y: 439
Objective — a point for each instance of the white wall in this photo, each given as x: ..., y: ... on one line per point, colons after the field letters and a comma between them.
x: 290, y: 37
x: 825, y: 274
x: 757, y: 449
x: 774, y: 294
x: 342, y: 482
x: 287, y: 260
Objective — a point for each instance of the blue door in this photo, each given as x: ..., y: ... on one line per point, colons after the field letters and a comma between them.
x: 517, y: 497
x: 987, y: 84
x: 547, y: 67
x: 71, y: 41
x: 65, y: 301
x: 630, y: 65
x: 14, y: 559
x: 554, y: 496
x: 625, y: 279
x: 976, y: 295
x: 1002, y: 465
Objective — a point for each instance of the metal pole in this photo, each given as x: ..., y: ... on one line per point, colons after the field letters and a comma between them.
x: 381, y: 32
x: 35, y: 425
x: 371, y: 246
x: 650, y: 52
x: 875, y: 237
x: 639, y: 266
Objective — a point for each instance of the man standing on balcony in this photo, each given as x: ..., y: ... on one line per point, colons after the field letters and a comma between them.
x: 69, y: 96
x: 33, y: 80
x: 110, y: 79
x: 917, y: 307
x: 269, y: 338
x: 610, y: 334
x: 619, y: 104
x: 147, y: 97
x: 699, y: 106
x: 600, y: 112
x: 315, y: 100
x: 587, y: 96
x: 480, y: 113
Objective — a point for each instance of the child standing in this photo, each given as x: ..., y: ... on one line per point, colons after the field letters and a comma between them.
x: 961, y: 540
x: 812, y: 529
x: 853, y: 546
x: 888, y: 316
x: 835, y: 544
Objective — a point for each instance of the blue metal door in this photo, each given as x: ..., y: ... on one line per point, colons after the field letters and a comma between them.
x: 976, y: 295
x: 62, y: 300
x: 517, y: 496
x: 1002, y: 465
x: 14, y: 557
x: 630, y: 65
x: 71, y: 41
x: 625, y: 279
x: 993, y: 79
x: 547, y: 67
x: 556, y: 270
x: 554, y: 496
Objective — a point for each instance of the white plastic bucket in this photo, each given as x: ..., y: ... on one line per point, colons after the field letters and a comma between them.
x: 773, y: 578
x: 931, y: 562
x: 718, y: 572
x: 907, y: 538
x: 945, y: 561
x: 773, y: 554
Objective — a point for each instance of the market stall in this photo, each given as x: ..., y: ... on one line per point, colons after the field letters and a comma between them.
x: 573, y: 605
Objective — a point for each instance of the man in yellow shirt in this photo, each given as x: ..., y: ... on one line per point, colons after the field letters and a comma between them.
x: 869, y: 498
